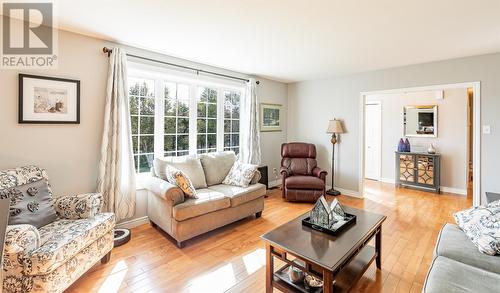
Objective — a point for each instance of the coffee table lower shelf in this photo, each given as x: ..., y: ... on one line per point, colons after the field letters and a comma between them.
x: 343, y: 282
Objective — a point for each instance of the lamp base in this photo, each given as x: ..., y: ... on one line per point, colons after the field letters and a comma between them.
x: 333, y: 192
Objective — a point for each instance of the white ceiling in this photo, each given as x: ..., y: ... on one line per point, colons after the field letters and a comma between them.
x: 293, y: 40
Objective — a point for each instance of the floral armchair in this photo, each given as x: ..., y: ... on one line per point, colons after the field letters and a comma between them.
x: 52, y: 257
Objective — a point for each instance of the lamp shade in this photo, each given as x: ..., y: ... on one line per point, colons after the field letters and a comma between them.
x: 335, y: 126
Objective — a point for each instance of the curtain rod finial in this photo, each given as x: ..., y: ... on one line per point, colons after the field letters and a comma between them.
x: 257, y: 82
x: 107, y: 50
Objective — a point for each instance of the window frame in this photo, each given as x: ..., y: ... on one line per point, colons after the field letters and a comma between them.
x: 164, y: 75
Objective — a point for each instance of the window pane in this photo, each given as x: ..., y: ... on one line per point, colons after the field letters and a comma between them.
x: 134, y: 144
x: 202, y: 110
x: 203, y: 94
x: 212, y: 140
x: 202, y: 125
x: 169, y: 143
x: 134, y: 124
x: 236, y: 111
x: 145, y: 163
x: 211, y: 125
x: 147, y: 125
x: 201, y: 151
x: 183, y: 153
x: 134, y: 105
x: 133, y: 84
x: 227, y: 140
x: 183, y: 108
x: 147, y: 88
x: 170, y: 125
x: 211, y: 150
x: 136, y: 162
x: 170, y: 154
x: 170, y: 90
x: 212, y: 97
x: 147, y: 106
x: 201, y: 141
x: 212, y: 110
x: 182, y: 142
x: 182, y: 125
x: 227, y: 126
x: 169, y: 107
x: 235, y: 126
x: 146, y: 144
x: 235, y: 140
x: 182, y: 91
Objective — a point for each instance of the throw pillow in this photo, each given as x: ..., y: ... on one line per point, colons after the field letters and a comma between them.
x: 178, y: 178
x: 30, y: 203
x: 494, y: 204
x: 240, y: 174
x: 482, y: 227
x: 189, y: 165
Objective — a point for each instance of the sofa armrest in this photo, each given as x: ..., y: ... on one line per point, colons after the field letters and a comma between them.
x: 256, y: 177
x: 21, y: 239
x: 166, y: 190
x: 318, y: 172
x: 81, y: 206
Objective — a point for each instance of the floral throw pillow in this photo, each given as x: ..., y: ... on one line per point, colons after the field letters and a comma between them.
x: 482, y: 227
x: 178, y: 178
x: 240, y: 174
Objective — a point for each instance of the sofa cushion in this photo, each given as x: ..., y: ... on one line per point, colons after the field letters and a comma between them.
x: 239, y: 195
x: 191, y: 166
x: 208, y: 201
x: 447, y: 275
x: 217, y: 165
x: 304, y: 182
x: 63, y: 239
x: 482, y: 227
x: 453, y: 243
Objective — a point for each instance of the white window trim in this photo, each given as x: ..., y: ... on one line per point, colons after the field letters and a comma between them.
x: 161, y: 75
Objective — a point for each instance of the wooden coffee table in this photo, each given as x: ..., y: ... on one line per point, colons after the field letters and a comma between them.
x: 339, y: 260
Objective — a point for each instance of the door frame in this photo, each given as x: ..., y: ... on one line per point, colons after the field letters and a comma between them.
x: 476, y: 160
x: 379, y: 103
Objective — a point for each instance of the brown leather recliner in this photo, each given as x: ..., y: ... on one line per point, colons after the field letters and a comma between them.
x: 303, y: 180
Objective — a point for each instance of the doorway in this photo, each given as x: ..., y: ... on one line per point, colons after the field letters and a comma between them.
x: 472, y: 163
x: 373, y: 136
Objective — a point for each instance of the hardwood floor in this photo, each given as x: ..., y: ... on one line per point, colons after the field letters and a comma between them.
x: 232, y: 258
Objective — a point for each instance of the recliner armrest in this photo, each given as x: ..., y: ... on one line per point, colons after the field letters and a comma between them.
x: 318, y: 172
x: 284, y: 172
x: 165, y: 190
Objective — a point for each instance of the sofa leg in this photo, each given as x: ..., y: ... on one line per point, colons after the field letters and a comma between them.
x: 180, y: 244
x: 258, y: 214
x: 105, y: 259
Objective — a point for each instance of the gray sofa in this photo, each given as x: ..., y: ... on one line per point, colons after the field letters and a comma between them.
x: 458, y: 266
x: 217, y: 204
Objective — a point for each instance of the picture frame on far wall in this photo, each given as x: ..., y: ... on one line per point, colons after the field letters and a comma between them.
x: 270, y: 117
x: 48, y: 100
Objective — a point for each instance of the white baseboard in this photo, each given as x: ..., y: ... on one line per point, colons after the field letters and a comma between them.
x: 454, y: 190
x: 347, y: 192
x: 274, y: 183
x: 133, y: 223
x: 387, y: 180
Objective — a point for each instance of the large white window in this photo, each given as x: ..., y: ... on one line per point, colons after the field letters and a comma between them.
x: 179, y: 116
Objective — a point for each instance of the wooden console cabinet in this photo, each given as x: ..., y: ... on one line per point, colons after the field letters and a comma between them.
x: 418, y: 170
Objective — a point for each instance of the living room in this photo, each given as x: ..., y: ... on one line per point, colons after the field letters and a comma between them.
x: 176, y: 146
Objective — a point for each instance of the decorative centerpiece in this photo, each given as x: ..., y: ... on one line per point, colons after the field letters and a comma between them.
x: 328, y: 218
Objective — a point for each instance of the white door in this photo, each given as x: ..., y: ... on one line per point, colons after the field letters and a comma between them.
x: 373, y: 122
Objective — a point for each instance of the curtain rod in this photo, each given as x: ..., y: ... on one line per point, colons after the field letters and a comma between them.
x: 198, y: 71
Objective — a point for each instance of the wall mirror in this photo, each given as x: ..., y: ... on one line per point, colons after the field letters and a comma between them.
x: 420, y: 121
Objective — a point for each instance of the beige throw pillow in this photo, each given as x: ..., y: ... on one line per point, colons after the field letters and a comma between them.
x: 217, y: 165
x: 188, y: 165
x: 178, y: 178
x: 240, y: 174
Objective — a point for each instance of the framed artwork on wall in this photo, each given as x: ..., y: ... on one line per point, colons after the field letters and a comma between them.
x: 48, y: 100
x: 270, y: 117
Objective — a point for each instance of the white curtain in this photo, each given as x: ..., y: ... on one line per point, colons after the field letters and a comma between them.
x: 249, y: 119
x: 116, y: 169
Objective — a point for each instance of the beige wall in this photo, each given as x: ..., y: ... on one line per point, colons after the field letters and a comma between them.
x: 70, y: 153
x: 451, y: 142
x: 313, y: 103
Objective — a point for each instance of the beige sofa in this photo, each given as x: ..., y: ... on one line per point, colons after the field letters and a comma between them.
x: 217, y: 204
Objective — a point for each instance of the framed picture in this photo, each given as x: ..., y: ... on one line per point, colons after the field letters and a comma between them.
x: 44, y: 99
x: 270, y: 117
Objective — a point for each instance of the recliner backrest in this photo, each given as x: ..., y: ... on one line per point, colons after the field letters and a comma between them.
x: 299, y: 158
